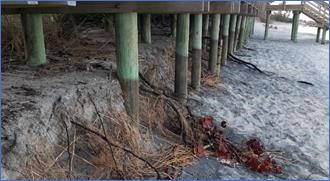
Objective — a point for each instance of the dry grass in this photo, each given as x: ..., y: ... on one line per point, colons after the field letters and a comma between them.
x: 93, y: 154
x: 208, y: 79
x: 12, y: 37
x: 57, y: 34
x: 92, y: 158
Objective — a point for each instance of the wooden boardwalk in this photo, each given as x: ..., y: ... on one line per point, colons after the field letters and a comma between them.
x: 316, y: 10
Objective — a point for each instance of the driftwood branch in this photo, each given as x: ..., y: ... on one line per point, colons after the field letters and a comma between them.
x: 247, y: 48
x: 248, y: 64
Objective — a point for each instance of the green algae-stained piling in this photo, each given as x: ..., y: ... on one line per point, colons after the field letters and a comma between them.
x: 181, y: 57
x: 246, y: 31
x: 318, y: 34
x: 237, y: 29
x: 324, y: 33
x: 267, y: 24
x: 213, y: 57
x: 34, y: 44
x: 205, y: 29
x: 220, y: 44
x: 146, y: 28
x: 127, y: 60
x: 241, y: 33
x: 253, y: 23
x: 232, y: 27
x: 225, y: 34
x: 108, y: 23
x: 173, y: 25
x: 295, y: 25
x: 196, y: 51
x: 251, y: 27
x: 248, y: 28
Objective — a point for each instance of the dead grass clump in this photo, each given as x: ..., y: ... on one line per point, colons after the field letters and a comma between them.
x: 208, y: 79
x: 92, y: 157
x: 159, y: 118
x: 12, y: 37
x: 59, y: 31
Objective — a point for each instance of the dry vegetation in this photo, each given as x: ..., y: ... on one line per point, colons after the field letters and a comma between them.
x: 111, y: 146
x: 91, y: 156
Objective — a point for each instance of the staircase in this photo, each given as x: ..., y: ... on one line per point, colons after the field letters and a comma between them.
x: 318, y: 11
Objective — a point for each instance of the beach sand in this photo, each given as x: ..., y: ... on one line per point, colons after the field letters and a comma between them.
x: 284, y: 114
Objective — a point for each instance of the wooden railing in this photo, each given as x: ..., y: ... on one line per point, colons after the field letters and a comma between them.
x: 317, y: 10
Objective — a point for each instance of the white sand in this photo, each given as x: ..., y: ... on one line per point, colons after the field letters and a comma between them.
x: 285, y: 115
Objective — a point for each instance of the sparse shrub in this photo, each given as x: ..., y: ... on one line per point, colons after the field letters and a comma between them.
x: 281, y: 16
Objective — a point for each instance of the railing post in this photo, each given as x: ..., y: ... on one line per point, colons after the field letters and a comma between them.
x: 35, y: 53
x: 196, y: 51
x: 127, y: 60
x: 181, y: 57
x: 214, y: 43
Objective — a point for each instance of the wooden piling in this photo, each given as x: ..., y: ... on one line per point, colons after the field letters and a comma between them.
x: 250, y: 28
x: 253, y: 24
x: 318, y: 34
x: 225, y: 34
x: 246, y: 30
x: 205, y: 29
x: 214, y: 43
x: 267, y: 24
x: 196, y: 51
x: 181, y: 57
x: 232, y: 27
x: 295, y: 25
x: 127, y: 60
x: 146, y: 28
x: 237, y: 29
x: 35, y: 53
x: 324, y: 33
x: 241, y: 33
x: 220, y: 43
x: 173, y: 25
x: 108, y: 24
x: 191, y: 24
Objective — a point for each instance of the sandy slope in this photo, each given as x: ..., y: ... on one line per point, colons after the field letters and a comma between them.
x: 286, y: 115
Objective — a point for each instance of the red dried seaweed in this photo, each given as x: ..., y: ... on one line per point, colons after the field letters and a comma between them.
x: 199, y: 150
x: 255, y: 146
x: 207, y: 122
x: 253, y: 157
